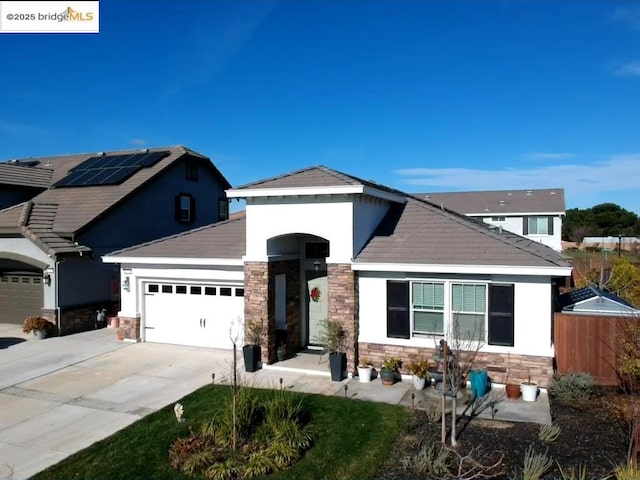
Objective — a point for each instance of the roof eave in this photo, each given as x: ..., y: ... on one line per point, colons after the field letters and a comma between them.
x: 146, y: 260
x: 555, y: 271
x: 314, y: 191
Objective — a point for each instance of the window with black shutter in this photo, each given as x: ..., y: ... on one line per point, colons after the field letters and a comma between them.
x: 185, y: 208
x: 398, y: 324
x: 501, y: 321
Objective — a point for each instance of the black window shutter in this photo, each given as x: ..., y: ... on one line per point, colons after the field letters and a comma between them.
x: 398, y: 309
x: 550, y: 225
x: 525, y: 225
x: 192, y: 207
x: 501, y: 324
x: 177, y: 208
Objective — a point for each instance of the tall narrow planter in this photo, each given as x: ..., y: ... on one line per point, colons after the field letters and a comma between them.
x: 338, y: 365
x: 252, y: 355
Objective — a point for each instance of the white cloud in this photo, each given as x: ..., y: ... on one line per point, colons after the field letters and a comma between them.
x: 630, y: 69
x: 547, y: 156
x: 583, y: 183
x: 627, y: 14
x: 138, y: 142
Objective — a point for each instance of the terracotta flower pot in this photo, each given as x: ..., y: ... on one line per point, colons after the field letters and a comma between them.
x: 513, y: 391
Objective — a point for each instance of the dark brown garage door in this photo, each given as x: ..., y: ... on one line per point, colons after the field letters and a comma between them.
x: 20, y: 296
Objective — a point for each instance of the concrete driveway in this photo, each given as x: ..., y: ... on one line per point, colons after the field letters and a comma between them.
x: 62, y: 394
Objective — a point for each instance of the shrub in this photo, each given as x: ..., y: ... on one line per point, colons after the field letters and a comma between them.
x: 36, y: 323
x: 419, y: 368
x: 271, y: 436
x: 391, y: 363
x: 571, y: 386
x: 433, y: 411
x: 626, y: 472
x: 573, y: 474
x: 535, y: 464
x: 549, y: 433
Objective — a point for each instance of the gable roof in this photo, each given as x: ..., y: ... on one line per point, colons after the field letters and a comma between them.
x: 78, y: 207
x: 500, y: 202
x: 412, y: 232
x: 314, y: 180
x: 31, y: 176
x: 224, y: 240
x: 420, y: 232
x: 583, y: 294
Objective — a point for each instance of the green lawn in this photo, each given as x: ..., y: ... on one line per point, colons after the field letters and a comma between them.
x: 351, y: 438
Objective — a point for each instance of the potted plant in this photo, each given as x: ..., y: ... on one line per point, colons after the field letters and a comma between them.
x: 389, y: 371
x: 365, y: 368
x: 251, y: 351
x: 333, y: 337
x: 529, y: 390
x: 38, y: 325
x: 281, y: 352
x: 419, y: 369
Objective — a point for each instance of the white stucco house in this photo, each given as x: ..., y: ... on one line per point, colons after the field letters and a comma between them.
x: 394, y: 269
x: 536, y: 214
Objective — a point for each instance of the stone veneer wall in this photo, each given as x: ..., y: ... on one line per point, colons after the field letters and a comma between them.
x: 129, y: 328
x: 291, y: 270
x: 256, y: 305
x: 343, y: 306
x: 80, y: 319
x: 502, y: 367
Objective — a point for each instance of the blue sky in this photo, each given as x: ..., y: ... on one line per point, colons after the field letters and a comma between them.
x: 419, y: 95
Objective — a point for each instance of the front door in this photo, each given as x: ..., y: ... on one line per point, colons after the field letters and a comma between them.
x: 317, y: 301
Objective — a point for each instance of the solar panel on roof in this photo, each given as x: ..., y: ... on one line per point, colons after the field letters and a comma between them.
x: 109, y: 169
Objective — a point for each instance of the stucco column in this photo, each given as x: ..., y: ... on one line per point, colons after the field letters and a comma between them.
x: 343, y: 305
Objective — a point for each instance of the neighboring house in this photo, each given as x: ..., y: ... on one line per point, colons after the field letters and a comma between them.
x: 535, y: 214
x: 73, y: 209
x: 592, y: 300
x: 395, y: 270
x: 19, y: 183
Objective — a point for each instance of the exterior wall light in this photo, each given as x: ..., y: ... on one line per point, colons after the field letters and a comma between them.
x: 126, y: 285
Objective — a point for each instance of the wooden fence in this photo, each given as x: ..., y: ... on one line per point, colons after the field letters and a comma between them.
x: 586, y: 343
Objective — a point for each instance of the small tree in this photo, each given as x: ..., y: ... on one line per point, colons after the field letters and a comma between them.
x: 457, y: 354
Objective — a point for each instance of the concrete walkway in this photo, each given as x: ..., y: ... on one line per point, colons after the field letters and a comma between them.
x: 60, y: 395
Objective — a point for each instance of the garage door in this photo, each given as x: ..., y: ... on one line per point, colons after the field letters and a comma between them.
x: 21, y: 295
x: 192, y: 314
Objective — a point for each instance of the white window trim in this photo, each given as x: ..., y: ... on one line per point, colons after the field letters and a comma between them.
x: 184, y: 209
x: 448, y: 311
x: 538, y: 217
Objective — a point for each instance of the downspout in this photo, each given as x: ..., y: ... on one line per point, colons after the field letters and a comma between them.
x: 56, y: 277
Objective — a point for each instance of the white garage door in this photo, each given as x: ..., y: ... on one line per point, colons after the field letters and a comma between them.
x: 192, y: 314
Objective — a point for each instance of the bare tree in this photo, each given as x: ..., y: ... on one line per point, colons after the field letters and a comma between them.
x: 457, y: 354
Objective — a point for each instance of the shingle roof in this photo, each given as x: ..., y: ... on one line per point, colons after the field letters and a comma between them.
x: 219, y: 240
x: 585, y: 293
x: 10, y: 218
x: 422, y: 233
x: 36, y: 224
x: 500, y: 201
x: 25, y: 175
x: 315, y: 176
x: 78, y: 207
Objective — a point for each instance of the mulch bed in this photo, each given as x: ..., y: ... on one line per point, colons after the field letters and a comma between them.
x: 590, y: 436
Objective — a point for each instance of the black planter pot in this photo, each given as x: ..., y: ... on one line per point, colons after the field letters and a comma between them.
x: 252, y: 355
x: 338, y: 365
